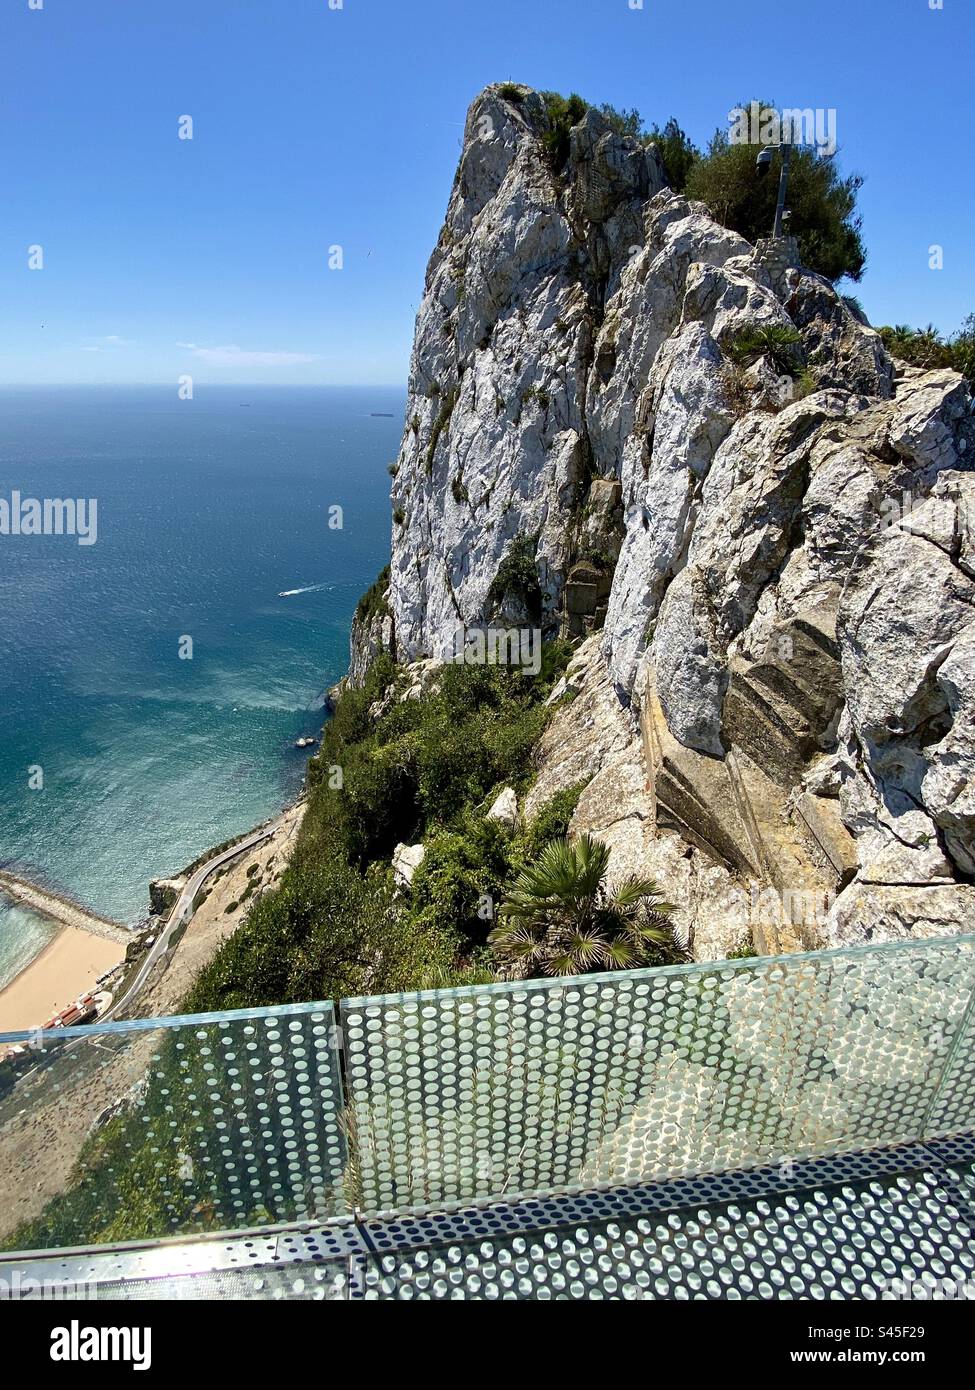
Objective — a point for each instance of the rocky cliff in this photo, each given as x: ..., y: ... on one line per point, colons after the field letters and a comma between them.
x: 770, y: 552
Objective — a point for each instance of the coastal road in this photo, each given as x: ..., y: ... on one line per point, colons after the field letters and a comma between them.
x: 183, y: 910
x: 181, y: 913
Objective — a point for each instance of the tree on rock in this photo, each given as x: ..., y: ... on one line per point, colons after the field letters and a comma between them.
x: 822, y: 202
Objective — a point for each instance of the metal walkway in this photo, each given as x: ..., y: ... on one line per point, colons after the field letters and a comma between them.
x: 893, y: 1223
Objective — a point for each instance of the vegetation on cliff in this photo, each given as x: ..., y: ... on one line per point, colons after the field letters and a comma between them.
x: 563, y: 917
x: 389, y: 771
x: 374, y: 600
x: 517, y: 577
x: 822, y: 202
x: 927, y: 347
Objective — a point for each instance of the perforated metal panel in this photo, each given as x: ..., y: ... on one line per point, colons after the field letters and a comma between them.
x: 215, y: 1122
x: 887, y: 1224
x: 892, y: 1238
x: 639, y: 1076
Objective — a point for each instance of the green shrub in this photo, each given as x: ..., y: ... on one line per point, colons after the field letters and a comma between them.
x: 737, y: 399
x: 422, y: 762
x: 463, y: 874
x: 777, y: 341
x: 623, y: 122
x: 556, y: 656
x: 517, y: 575
x: 928, y: 348
x: 327, y: 931
x: 823, y: 204
x: 465, y: 750
x: 805, y: 385
x: 377, y: 808
x: 550, y: 823
x: 563, y: 113
x: 468, y: 869
x: 743, y: 951
x: 351, y: 722
x: 677, y: 153
x: 374, y: 600
x: 448, y: 400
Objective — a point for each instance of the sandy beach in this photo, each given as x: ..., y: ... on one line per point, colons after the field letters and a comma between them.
x: 66, y: 968
x: 43, y: 1127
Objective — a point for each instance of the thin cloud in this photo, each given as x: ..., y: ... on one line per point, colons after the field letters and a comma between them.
x: 233, y: 356
x: 110, y: 340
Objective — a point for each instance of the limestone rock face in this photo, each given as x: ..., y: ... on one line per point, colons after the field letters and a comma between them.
x: 406, y: 860
x: 762, y: 526
x: 846, y: 352
x: 496, y: 442
x: 662, y: 489
x: 892, y: 912
x: 590, y: 740
x: 505, y: 808
x: 367, y: 640
x: 907, y: 630
x: 691, y: 677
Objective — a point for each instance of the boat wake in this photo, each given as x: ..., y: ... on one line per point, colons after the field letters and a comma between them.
x: 309, y: 589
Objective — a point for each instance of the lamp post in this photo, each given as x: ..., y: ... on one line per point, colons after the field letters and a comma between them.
x: 763, y: 164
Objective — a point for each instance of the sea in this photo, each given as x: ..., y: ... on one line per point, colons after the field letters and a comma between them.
x: 153, y: 684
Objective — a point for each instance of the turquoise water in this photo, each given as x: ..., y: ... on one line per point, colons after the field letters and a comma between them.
x: 207, y: 510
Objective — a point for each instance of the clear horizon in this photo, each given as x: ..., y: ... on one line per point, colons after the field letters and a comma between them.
x: 314, y: 128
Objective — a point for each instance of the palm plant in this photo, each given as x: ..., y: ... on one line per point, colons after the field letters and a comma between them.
x: 563, y: 918
x: 922, y: 347
x: 775, y: 340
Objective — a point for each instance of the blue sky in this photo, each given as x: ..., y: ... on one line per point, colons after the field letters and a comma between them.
x: 315, y: 126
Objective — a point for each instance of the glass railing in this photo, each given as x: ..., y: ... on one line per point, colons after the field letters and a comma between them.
x: 146, y: 1129
x: 406, y: 1103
